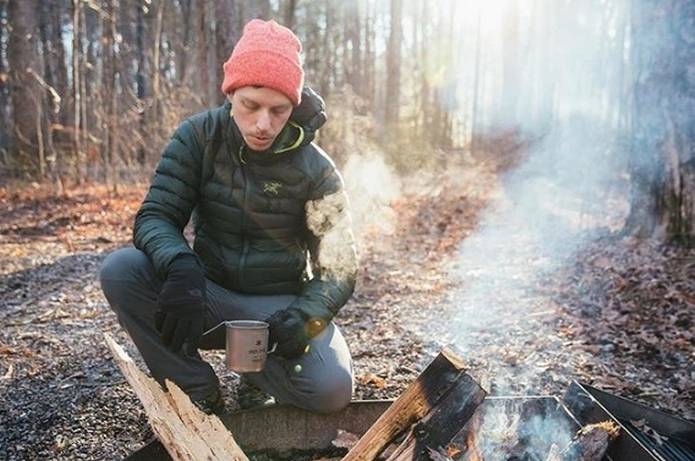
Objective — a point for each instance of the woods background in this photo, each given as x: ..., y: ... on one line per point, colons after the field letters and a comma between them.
x: 90, y: 90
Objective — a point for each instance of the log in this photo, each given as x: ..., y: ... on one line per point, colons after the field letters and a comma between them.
x: 444, y: 421
x: 591, y: 442
x: 186, y: 432
x: 433, y: 408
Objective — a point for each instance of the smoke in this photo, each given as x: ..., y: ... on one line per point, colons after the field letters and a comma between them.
x: 547, y: 209
x: 371, y: 185
x: 523, y: 429
x: 571, y: 187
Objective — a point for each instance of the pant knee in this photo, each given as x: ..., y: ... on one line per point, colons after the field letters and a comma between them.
x: 121, y: 268
x: 331, y: 394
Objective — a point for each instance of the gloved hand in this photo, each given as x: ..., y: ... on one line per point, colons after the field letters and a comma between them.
x: 311, y: 112
x: 292, y: 332
x: 181, y: 304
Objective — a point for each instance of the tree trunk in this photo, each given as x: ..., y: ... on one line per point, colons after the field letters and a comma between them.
x: 256, y: 9
x: 141, y: 80
x: 663, y: 150
x: 227, y: 34
x: 507, y: 115
x: 325, y: 79
x: 156, y: 74
x: 393, y: 65
x: 184, y: 43
x: 60, y: 69
x: 349, y: 44
x: 76, y: 93
x: 26, y: 95
x: 4, y: 77
x: 203, y: 49
x: 289, y: 13
x: 109, y: 97
x: 476, y: 90
x: 369, y: 58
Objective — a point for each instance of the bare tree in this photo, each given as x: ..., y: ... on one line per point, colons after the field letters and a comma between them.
x: 25, y: 91
x: 663, y: 149
x: 110, y: 96
x: 393, y: 64
x: 476, y: 87
x: 253, y: 9
x: 510, y: 66
x: 290, y: 11
x: 4, y: 78
x: 227, y: 33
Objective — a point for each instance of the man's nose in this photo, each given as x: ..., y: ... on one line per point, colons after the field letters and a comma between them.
x: 263, y: 122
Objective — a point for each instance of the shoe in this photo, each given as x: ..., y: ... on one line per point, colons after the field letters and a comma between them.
x: 212, y: 404
x: 249, y: 396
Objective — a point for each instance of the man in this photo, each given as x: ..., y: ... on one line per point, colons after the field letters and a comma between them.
x: 272, y: 237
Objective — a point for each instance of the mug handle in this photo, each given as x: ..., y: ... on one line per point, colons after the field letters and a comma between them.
x: 215, y: 327
x: 272, y: 348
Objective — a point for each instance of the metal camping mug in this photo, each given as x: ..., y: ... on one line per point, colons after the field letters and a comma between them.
x: 246, y: 344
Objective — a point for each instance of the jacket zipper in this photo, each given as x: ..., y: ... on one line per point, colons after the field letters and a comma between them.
x: 244, y: 240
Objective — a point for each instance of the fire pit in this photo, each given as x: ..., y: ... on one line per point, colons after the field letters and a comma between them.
x: 443, y: 415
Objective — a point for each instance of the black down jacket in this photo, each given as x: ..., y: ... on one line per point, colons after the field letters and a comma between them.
x: 265, y: 223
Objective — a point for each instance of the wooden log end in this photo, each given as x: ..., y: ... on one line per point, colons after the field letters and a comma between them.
x: 455, y: 359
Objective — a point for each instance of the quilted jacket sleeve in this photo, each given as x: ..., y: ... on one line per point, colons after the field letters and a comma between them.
x: 167, y: 207
x: 333, y: 252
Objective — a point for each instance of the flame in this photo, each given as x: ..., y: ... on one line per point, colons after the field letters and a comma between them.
x: 472, y: 453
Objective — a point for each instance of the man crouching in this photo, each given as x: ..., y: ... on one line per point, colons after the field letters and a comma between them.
x: 273, y: 238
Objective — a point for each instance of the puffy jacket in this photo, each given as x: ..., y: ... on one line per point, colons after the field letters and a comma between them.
x: 271, y: 223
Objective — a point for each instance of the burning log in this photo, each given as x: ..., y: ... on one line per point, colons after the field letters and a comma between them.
x: 590, y: 443
x: 185, y: 431
x: 431, y: 411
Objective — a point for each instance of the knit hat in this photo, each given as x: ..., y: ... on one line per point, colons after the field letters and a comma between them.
x: 267, y: 54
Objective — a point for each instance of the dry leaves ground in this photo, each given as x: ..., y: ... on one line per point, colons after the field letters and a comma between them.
x: 619, y: 315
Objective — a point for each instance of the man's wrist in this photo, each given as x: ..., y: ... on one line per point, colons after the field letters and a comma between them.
x: 185, y: 265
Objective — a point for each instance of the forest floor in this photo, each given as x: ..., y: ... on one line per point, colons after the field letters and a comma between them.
x: 616, y: 313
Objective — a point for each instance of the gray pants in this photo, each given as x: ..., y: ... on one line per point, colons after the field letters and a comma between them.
x: 324, y: 380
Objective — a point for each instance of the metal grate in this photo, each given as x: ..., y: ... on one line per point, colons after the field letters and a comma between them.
x: 669, y: 450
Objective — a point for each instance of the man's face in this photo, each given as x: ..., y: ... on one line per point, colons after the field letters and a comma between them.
x: 260, y: 113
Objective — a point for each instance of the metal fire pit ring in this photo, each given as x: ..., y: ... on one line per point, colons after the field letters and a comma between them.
x: 285, y: 428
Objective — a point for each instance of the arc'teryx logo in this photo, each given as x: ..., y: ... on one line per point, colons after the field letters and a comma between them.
x: 272, y: 187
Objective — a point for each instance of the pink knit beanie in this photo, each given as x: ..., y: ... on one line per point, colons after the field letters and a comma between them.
x: 267, y: 54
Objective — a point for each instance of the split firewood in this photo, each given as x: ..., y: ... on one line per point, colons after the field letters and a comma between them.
x: 432, y: 410
x: 443, y: 422
x: 187, y: 433
x: 590, y: 443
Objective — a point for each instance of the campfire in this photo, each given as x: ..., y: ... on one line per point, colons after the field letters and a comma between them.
x: 443, y: 415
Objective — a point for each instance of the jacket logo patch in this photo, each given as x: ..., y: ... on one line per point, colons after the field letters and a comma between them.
x: 272, y: 188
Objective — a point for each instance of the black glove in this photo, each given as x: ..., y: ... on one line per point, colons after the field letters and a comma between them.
x: 181, y: 304
x: 311, y: 112
x: 291, y: 331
